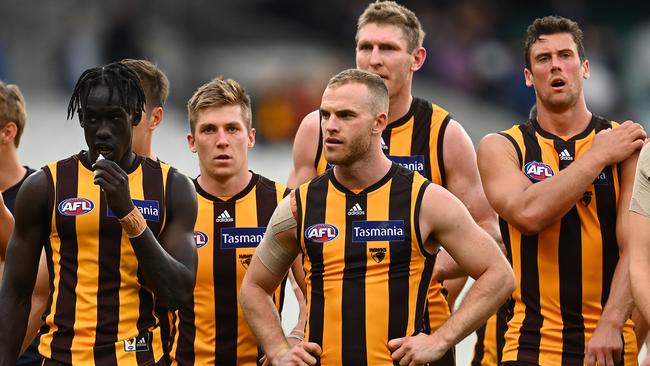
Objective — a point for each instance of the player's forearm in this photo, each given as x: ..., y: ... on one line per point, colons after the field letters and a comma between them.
x: 14, y: 311
x: 640, y: 278
x: 263, y: 318
x: 490, y: 291
x: 619, y: 303
x: 171, y: 281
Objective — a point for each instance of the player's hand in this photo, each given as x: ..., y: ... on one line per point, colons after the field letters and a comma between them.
x: 617, y: 144
x: 417, y: 350
x: 605, y: 347
x: 292, y: 341
x: 115, y: 183
x: 303, y: 353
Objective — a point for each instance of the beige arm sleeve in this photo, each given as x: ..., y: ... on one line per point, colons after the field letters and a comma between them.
x: 279, y: 247
x: 640, y: 202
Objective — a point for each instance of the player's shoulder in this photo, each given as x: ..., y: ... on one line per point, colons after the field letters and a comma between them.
x: 265, y: 183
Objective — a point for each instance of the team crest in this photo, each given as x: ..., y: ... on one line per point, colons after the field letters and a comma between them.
x: 378, y: 254
x: 75, y: 206
x: 245, y: 260
x: 321, y: 233
x: 538, y: 171
x: 200, y: 239
x: 137, y: 344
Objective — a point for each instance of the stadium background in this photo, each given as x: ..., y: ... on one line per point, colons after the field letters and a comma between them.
x: 283, y: 52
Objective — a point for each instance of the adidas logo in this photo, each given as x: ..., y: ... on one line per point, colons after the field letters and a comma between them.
x: 565, y: 156
x: 142, y: 341
x: 224, y: 217
x: 356, y: 210
x: 383, y: 144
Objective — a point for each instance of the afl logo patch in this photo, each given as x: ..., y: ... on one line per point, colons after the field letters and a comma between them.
x: 538, y: 171
x: 75, y: 206
x: 321, y: 233
x: 200, y: 239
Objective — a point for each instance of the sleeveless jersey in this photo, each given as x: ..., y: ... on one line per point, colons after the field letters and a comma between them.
x: 99, y: 310
x: 415, y: 142
x: 367, y: 273
x: 564, y: 272
x: 211, y: 329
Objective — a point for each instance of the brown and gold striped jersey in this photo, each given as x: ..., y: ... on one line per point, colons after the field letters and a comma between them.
x: 211, y: 329
x: 100, y: 312
x: 366, y: 269
x: 564, y: 272
x: 415, y: 142
x: 490, y: 339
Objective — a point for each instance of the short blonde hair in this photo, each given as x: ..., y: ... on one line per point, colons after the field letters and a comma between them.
x: 377, y: 90
x: 12, y: 108
x: 392, y: 13
x: 217, y: 93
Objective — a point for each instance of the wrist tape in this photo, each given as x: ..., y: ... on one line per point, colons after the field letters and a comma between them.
x: 133, y: 223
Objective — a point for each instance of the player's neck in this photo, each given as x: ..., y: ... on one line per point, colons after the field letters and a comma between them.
x: 399, y: 106
x: 364, y: 172
x: 143, y: 147
x: 567, y: 122
x: 225, y: 186
x: 11, y: 171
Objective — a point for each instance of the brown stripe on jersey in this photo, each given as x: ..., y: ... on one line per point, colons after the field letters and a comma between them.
x: 570, y: 274
x: 480, y: 345
x: 606, y: 204
x: 184, y: 353
x: 225, y: 280
x: 66, y: 187
x: 502, y: 326
x: 152, y: 187
x: 399, y: 208
x: 51, y: 204
x: 266, y: 202
x: 152, y: 184
x: 314, y: 212
x: 422, y: 322
x: 353, y: 330
x: 605, y: 201
x: 184, y: 349
x: 530, y: 335
x: 505, y: 237
x: 108, y: 291
x: 421, y: 133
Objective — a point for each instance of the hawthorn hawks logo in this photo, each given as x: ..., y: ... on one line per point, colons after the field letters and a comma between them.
x: 378, y: 254
x: 245, y: 260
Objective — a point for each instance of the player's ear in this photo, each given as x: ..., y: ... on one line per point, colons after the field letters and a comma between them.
x: 81, y: 117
